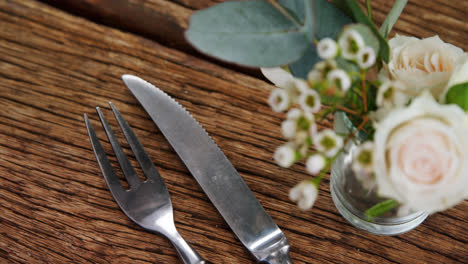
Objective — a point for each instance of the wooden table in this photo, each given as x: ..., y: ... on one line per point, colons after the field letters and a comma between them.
x: 61, y: 59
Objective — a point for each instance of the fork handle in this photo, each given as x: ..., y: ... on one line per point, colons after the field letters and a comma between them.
x: 186, y: 252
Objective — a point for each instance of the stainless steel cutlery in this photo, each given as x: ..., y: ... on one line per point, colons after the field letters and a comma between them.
x: 147, y: 203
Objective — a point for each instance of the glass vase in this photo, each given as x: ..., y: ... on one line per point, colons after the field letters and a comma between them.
x: 353, y: 194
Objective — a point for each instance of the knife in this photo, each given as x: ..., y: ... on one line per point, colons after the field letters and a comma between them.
x: 218, y: 178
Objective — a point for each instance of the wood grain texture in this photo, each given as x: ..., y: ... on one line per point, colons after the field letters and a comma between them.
x: 54, y: 204
x: 155, y: 18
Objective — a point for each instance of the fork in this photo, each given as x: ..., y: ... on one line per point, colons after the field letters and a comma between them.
x: 147, y: 203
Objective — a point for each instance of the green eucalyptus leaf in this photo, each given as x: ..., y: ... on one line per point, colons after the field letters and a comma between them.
x: 352, y: 7
x: 328, y: 21
x: 458, y: 94
x: 368, y: 36
x: 392, y: 17
x: 295, y: 8
x: 252, y: 33
x: 301, y: 67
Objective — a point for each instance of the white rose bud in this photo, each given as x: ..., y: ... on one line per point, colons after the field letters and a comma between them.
x: 366, y: 58
x: 351, y: 42
x: 304, y: 194
x: 315, y: 164
x: 340, y: 79
x: 328, y: 142
x: 327, y: 49
x: 460, y: 75
x: 279, y: 100
x: 285, y: 156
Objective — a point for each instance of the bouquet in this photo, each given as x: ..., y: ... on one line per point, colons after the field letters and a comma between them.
x: 409, y: 96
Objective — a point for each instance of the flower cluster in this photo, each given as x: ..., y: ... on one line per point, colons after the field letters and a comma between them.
x: 417, y: 152
x: 334, y: 77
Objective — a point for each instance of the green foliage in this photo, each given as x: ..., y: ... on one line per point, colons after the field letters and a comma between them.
x: 367, y: 35
x: 458, y: 94
x: 295, y: 8
x: 352, y: 8
x: 252, y: 33
x: 328, y: 21
x: 261, y: 34
x: 381, y: 208
x: 392, y: 17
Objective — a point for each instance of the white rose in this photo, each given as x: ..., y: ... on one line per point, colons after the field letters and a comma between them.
x: 421, y: 155
x: 421, y: 64
x: 459, y: 75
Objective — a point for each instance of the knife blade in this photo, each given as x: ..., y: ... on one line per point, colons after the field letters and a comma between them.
x: 216, y: 175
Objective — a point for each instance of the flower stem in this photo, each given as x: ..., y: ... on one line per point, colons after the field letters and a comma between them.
x: 380, y: 208
x: 347, y: 110
x: 364, y: 90
x: 365, y: 119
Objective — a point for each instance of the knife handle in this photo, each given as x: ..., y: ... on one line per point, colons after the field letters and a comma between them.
x: 186, y: 252
x: 280, y: 256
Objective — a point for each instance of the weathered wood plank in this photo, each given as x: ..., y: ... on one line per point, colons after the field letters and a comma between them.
x: 164, y: 21
x: 55, y: 207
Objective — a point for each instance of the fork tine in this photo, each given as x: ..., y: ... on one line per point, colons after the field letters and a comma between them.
x: 125, y: 165
x: 106, y: 167
x: 145, y: 162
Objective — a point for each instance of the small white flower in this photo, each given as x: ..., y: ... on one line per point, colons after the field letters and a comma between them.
x: 294, y: 87
x: 314, y: 75
x: 315, y: 164
x: 301, y: 137
x: 310, y: 101
x: 328, y: 142
x: 294, y: 113
x: 297, y: 124
x: 285, y: 156
x: 289, y: 128
x: 304, y: 194
x: 313, y: 129
x: 279, y: 100
x: 351, y: 42
x: 327, y: 48
x: 391, y: 94
x: 366, y: 58
x: 340, y: 79
x: 320, y: 71
x: 363, y: 158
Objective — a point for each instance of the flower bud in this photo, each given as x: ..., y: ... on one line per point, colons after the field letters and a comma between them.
x: 327, y: 49
x: 321, y: 70
x: 285, y: 156
x: 315, y: 164
x: 310, y: 101
x: 279, y: 100
x: 304, y: 194
x: 366, y: 58
x: 289, y: 128
x: 351, y: 42
x: 328, y: 142
x: 391, y: 94
x: 340, y: 79
x: 363, y: 158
